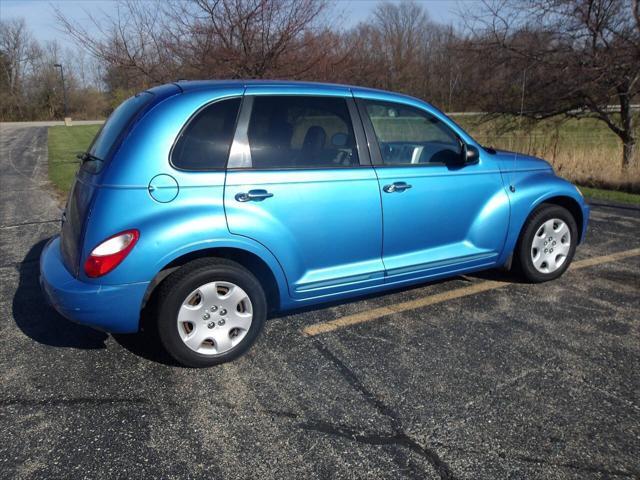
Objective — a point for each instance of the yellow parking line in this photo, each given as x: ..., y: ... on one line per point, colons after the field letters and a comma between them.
x: 479, y: 287
x: 590, y: 262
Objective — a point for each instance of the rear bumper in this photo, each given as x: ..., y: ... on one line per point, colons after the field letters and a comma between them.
x: 112, y: 308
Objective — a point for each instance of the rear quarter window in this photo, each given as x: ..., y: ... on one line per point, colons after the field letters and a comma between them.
x: 116, y: 124
x: 205, y: 142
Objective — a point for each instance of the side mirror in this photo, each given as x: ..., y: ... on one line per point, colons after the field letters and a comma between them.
x: 470, y: 154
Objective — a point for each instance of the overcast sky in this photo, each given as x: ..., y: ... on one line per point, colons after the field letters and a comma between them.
x: 39, y: 15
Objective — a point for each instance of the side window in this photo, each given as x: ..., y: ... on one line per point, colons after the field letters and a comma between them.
x: 116, y: 123
x: 410, y: 136
x: 205, y: 142
x: 301, y: 132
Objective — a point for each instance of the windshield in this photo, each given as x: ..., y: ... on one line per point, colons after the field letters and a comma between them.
x: 116, y: 123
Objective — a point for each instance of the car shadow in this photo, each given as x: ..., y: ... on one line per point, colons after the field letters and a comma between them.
x: 498, y: 275
x: 146, y: 343
x: 41, y: 322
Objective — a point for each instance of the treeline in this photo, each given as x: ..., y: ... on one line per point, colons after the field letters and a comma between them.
x: 398, y: 47
x: 30, y: 84
x: 540, y: 58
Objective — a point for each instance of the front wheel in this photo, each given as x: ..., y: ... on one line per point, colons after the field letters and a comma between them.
x: 547, y: 243
x: 210, y: 312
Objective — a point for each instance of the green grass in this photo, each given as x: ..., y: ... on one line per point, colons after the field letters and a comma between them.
x: 64, y: 144
x: 611, y: 195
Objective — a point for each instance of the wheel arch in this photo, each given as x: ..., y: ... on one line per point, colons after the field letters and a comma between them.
x: 533, y: 191
x: 564, y: 201
x: 250, y: 260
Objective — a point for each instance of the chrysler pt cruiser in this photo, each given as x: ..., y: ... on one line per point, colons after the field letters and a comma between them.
x: 220, y: 201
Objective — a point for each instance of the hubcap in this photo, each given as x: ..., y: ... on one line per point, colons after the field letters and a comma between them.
x: 550, y: 246
x: 214, y: 318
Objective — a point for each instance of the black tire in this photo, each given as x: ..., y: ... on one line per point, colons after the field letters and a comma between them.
x: 173, y: 291
x: 541, y: 214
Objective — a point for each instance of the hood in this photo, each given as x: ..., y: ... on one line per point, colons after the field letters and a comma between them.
x: 510, y: 161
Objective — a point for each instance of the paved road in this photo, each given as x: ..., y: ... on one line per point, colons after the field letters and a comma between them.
x: 516, y: 382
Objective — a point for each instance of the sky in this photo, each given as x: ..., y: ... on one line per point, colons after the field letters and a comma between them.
x: 40, y: 20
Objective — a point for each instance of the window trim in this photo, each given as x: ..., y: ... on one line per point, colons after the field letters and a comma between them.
x: 193, y: 116
x: 241, y: 149
x: 372, y: 137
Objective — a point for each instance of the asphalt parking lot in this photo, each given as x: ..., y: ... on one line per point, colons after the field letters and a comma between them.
x: 496, y: 380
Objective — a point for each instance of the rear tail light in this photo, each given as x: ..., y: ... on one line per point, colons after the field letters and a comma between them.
x: 110, y: 253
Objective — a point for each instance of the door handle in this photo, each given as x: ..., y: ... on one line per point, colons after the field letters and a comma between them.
x: 396, y: 187
x: 258, y: 195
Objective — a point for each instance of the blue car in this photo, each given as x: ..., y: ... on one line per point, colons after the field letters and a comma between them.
x: 217, y: 202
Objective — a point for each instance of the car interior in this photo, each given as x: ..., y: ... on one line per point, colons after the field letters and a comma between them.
x: 302, y: 134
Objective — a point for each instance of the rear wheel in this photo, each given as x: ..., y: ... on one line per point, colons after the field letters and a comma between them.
x: 547, y: 243
x: 210, y: 312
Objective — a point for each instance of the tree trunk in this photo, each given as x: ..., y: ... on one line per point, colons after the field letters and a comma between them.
x: 628, y: 141
x: 628, y: 153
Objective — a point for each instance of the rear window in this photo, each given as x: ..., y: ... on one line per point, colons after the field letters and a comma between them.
x: 116, y: 123
x: 205, y: 142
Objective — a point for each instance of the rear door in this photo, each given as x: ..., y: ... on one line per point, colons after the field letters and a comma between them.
x: 300, y: 182
x: 440, y: 216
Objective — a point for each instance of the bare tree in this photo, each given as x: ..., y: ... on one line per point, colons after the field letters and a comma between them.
x: 250, y: 38
x: 17, y: 51
x: 399, y: 48
x: 206, y: 39
x: 402, y: 32
x: 133, y: 43
x: 572, y: 57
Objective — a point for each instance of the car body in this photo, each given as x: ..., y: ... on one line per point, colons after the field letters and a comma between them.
x: 377, y: 213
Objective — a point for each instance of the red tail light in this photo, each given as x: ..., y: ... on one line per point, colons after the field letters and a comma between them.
x: 110, y: 253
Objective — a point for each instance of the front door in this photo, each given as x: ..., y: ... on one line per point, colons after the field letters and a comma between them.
x: 439, y: 216
x: 299, y: 182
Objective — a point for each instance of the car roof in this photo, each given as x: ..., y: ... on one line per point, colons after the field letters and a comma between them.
x: 191, y: 85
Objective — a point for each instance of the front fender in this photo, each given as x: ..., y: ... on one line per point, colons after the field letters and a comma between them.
x: 534, y: 188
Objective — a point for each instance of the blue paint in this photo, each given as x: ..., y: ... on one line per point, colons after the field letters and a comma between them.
x: 325, y: 234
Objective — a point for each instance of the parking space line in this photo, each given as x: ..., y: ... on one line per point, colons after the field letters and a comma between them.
x: 376, y: 313
x: 589, y: 262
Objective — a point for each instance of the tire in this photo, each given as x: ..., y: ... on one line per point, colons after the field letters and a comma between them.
x: 197, y: 324
x: 554, y: 231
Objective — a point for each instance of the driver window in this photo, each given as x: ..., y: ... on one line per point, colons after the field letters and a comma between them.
x: 410, y: 136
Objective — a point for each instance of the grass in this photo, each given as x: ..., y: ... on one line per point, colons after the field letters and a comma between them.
x: 64, y: 144
x: 584, y: 151
x: 611, y: 195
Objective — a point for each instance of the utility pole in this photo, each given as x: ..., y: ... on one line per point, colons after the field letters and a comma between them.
x: 64, y: 90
